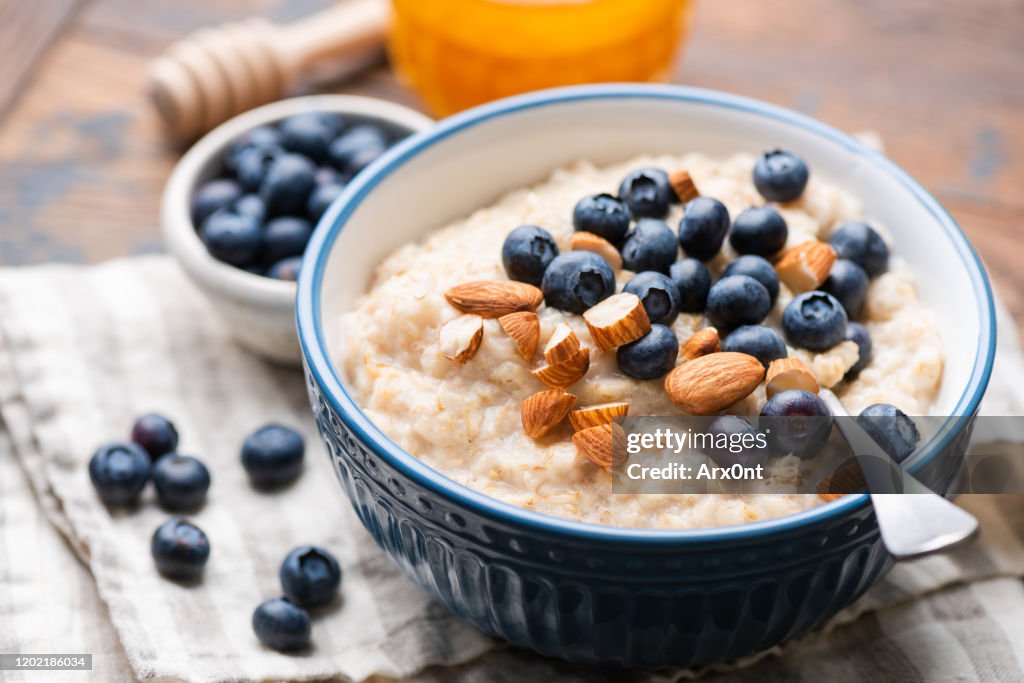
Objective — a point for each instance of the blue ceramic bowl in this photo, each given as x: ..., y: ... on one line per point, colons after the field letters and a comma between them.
x: 586, y: 592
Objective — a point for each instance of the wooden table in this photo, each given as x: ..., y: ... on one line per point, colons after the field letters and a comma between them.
x: 83, y: 159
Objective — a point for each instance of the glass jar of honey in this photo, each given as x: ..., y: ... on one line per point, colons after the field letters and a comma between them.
x: 459, y: 53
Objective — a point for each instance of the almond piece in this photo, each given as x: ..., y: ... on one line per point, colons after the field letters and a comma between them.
x: 605, y: 444
x: 849, y: 478
x: 524, y: 328
x: 562, y: 346
x: 789, y: 373
x: 597, y: 415
x: 703, y: 342
x: 588, y: 241
x: 682, y: 183
x: 617, y: 320
x: 543, y: 411
x: 459, y: 338
x: 705, y: 385
x: 494, y: 298
x: 805, y: 266
x: 561, y: 375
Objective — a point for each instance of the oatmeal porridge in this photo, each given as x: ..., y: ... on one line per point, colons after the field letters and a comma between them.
x: 449, y: 386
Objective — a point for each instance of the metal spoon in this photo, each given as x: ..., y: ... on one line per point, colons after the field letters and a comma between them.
x: 914, y: 523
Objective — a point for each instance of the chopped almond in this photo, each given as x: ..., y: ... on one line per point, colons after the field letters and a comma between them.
x: 562, y: 345
x: 459, y: 338
x: 683, y: 185
x: 524, y: 329
x: 789, y: 373
x: 494, y: 298
x: 588, y: 241
x: 604, y: 445
x: 543, y: 411
x: 805, y: 266
x: 618, y: 320
x: 566, y: 373
x: 701, y: 343
x: 597, y: 415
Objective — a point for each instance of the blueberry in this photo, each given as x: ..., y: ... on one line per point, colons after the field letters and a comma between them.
x: 759, y: 230
x: 320, y: 198
x: 250, y: 205
x: 156, y: 434
x: 703, y: 227
x: 577, y: 280
x: 118, y: 472
x: 284, y: 237
x: 287, y: 186
x: 355, y: 149
x: 527, y: 252
x: 286, y: 269
x: 737, y: 300
x: 262, y: 137
x: 859, y: 242
x: 282, y: 626
x: 308, y: 134
x: 758, y: 268
x: 814, y: 320
x: 848, y: 283
x: 735, y: 442
x: 891, y: 429
x: 213, y: 196
x: 796, y: 421
x: 180, y: 549
x: 659, y: 295
x: 763, y: 343
x: 272, y: 455
x: 254, y: 164
x: 693, y: 280
x: 858, y: 334
x: 310, y: 576
x: 780, y: 175
x: 647, y: 193
x: 181, y: 482
x: 231, y: 237
x: 650, y: 245
x: 651, y: 356
x: 604, y: 215
x: 327, y: 175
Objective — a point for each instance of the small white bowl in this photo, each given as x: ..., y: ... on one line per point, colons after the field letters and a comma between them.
x: 260, y: 311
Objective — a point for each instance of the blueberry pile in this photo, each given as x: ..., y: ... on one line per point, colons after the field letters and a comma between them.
x: 310, y: 578
x: 276, y: 182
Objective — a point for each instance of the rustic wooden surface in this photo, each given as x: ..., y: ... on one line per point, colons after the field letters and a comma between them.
x: 83, y: 159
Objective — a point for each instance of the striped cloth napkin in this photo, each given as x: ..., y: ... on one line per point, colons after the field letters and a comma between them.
x: 83, y: 350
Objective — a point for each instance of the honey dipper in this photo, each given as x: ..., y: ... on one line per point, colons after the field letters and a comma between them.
x: 216, y: 73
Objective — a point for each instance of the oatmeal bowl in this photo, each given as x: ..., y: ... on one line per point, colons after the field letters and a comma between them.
x: 489, y: 303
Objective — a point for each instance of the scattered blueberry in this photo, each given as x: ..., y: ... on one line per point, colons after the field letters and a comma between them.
x: 814, y: 320
x: 322, y: 196
x: 848, y: 283
x: 693, y: 280
x: 577, y: 280
x: 272, y: 455
x: 796, y: 421
x: 180, y: 549
x: 604, y: 215
x: 647, y: 193
x: 156, y: 434
x: 737, y: 300
x: 261, y: 137
x: 356, y: 148
x: 181, y: 482
x: 743, y: 449
x: 651, y: 356
x: 310, y: 576
x: 282, y: 626
x: 658, y: 293
x: 527, y: 252
x: 308, y: 134
x: 328, y: 175
x: 250, y: 205
x: 118, y: 472
x: 759, y: 230
x: 780, y: 175
x: 650, y: 245
x: 253, y: 165
x: 758, y: 268
x: 212, y: 197
x: 289, y: 181
x: 285, y: 269
x: 703, y: 227
x: 284, y: 237
x: 891, y: 429
x: 231, y: 237
x: 858, y: 334
x: 859, y: 242
x: 763, y: 343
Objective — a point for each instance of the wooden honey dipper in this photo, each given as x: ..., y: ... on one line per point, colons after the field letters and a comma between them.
x: 216, y: 73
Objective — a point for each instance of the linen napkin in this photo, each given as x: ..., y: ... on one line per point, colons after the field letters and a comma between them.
x: 83, y: 350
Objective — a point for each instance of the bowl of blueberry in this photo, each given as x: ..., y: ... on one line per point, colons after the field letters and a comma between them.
x: 242, y: 203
